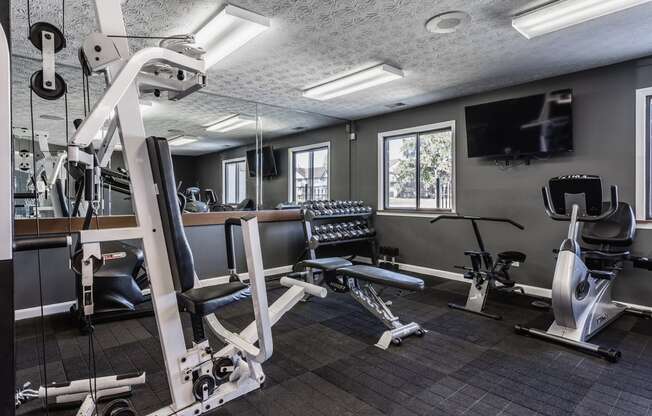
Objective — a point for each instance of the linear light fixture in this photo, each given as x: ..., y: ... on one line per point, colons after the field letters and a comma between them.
x: 181, y: 140
x: 229, y: 30
x: 367, y: 78
x: 565, y: 13
x: 231, y: 123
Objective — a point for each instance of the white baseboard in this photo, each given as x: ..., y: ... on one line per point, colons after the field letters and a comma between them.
x: 51, y: 309
x: 56, y: 308
x: 529, y: 290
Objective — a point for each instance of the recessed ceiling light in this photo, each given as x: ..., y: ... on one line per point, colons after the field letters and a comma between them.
x: 299, y: 128
x: 395, y: 105
x: 448, y: 22
x: 229, y: 30
x: 565, y: 13
x: 51, y: 117
x: 231, y: 123
x: 358, y: 81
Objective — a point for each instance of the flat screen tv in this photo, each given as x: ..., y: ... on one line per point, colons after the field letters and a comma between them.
x: 537, y: 125
x: 268, y: 162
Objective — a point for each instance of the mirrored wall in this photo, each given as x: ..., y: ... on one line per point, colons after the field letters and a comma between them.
x: 228, y: 153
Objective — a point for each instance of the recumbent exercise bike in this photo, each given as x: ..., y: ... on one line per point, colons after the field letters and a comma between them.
x: 485, y: 273
x: 584, y: 276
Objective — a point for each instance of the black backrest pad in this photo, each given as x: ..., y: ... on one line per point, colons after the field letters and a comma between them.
x: 587, y: 187
x: 617, y: 230
x: 181, y: 261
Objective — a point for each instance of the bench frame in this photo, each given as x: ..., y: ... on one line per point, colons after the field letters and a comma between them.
x: 366, y: 295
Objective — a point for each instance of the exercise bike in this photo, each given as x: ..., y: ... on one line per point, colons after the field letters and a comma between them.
x: 485, y: 273
x: 584, y: 276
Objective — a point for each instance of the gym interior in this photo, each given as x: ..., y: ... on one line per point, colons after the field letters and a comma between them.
x: 345, y: 207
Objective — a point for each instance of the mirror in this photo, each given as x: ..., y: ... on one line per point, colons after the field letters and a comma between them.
x: 302, y: 156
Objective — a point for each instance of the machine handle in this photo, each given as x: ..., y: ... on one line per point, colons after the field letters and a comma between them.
x: 613, y: 207
x: 230, y: 248
x: 474, y: 218
x: 40, y: 243
x: 228, y: 233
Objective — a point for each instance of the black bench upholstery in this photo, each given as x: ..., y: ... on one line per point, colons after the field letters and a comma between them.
x: 206, y: 300
x: 199, y: 301
x: 327, y: 264
x: 382, y: 277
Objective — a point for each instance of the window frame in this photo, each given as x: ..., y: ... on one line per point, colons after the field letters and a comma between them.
x: 224, y: 165
x: 643, y: 206
x: 301, y: 149
x: 383, y: 208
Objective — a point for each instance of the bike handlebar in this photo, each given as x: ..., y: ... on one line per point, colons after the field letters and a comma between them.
x: 474, y: 218
x: 613, y: 206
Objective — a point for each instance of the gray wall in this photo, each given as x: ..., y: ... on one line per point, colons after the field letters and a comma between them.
x: 604, y: 119
x: 604, y: 137
x: 275, y: 189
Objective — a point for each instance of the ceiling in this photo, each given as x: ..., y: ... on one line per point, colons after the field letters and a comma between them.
x: 313, y: 40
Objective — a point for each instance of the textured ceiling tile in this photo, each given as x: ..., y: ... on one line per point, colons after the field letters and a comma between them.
x: 314, y: 40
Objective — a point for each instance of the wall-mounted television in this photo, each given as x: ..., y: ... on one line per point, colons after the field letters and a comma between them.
x: 268, y: 167
x: 537, y: 125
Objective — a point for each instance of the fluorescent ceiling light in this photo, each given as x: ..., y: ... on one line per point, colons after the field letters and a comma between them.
x: 565, y: 13
x: 229, y: 30
x: 181, y: 140
x: 355, y: 82
x: 231, y: 123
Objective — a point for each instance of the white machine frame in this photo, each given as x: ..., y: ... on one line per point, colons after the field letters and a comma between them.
x: 120, y: 102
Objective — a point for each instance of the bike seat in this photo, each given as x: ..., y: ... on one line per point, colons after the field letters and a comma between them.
x: 512, y: 256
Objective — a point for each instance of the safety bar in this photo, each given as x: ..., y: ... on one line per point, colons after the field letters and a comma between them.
x: 613, y: 206
x: 41, y: 243
x: 474, y: 218
x: 25, y: 195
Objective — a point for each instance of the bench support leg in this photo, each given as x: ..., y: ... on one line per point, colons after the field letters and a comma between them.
x: 367, y: 296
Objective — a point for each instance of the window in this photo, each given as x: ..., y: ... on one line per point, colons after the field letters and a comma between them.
x: 234, y: 180
x: 417, y: 169
x: 644, y: 157
x: 309, y: 172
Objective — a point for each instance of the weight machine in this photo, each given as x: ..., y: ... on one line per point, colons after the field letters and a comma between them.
x: 200, y: 378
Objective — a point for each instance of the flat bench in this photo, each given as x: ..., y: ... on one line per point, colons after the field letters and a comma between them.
x: 343, y: 276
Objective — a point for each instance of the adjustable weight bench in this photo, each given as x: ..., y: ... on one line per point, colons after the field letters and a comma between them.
x: 343, y: 276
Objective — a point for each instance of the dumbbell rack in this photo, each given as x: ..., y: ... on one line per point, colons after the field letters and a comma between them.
x: 310, y: 217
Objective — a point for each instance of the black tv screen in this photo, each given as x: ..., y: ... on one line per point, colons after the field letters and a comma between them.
x: 268, y: 162
x: 536, y: 125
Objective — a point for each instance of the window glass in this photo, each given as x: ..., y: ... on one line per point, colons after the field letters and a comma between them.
x: 310, y: 172
x: 320, y: 174
x: 401, y: 172
x: 435, y: 169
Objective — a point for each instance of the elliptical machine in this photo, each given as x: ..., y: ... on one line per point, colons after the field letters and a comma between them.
x: 583, y: 279
x: 485, y: 273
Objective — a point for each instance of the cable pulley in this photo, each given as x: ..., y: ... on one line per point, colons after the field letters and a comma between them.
x: 48, y: 39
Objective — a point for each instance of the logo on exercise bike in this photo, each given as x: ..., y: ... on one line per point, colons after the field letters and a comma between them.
x: 114, y: 256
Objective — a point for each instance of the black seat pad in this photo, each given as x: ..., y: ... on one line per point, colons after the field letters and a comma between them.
x: 512, y: 256
x: 382, y: 277
x: 618, y: 230
x: 206, y: 300
x: 326, y: 264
